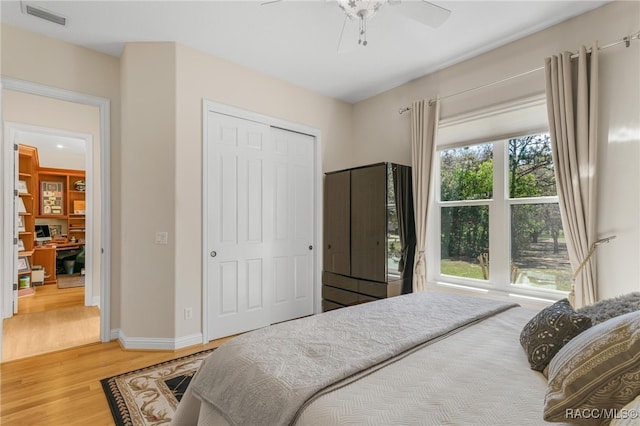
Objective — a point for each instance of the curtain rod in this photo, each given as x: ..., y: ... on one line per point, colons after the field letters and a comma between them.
x: 626, y: 40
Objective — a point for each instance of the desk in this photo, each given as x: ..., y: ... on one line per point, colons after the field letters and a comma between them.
x: 46, y: 255
x: 67, y: 246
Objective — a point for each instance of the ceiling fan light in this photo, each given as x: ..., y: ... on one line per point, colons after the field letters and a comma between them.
x: 360, y: 9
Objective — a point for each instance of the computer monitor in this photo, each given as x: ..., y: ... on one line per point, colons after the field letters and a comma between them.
x: 43, y: 233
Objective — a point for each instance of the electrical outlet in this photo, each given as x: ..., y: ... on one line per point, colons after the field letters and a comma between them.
x: 188, y: 313
x: 162, y: 237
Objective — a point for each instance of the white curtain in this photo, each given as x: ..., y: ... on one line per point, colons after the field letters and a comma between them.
x: 572, y: 104
x: 424, y: 128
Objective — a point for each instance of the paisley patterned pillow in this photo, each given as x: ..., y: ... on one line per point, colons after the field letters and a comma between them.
x: 596, y: 374
x: 551, y: 329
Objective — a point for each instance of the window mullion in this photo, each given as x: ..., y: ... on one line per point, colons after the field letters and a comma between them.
x: 498, y: 217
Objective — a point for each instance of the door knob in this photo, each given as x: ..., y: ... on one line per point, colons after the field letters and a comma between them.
x: 213, y: 254
x: 310, y: 247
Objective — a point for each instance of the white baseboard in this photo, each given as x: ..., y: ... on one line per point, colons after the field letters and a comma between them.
x: 115, y: 334
x: 156, y: 343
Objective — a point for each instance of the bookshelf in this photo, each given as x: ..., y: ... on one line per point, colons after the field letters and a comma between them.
x: 62, y: 196
x: 25, y: 227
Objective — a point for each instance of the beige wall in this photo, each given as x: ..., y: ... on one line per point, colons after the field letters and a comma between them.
x: 148, y: 76
x: 202, y: 76
x: 156, y: 173
x: 43, y: 60
x: 381, y: 134
x: 163, y: 87
x: 156, y: 169
x: 51, y: 113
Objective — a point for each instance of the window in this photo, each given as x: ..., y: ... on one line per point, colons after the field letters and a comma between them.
x: 499, y: 219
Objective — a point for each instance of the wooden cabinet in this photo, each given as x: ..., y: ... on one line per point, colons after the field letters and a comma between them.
x: 361, y: 238
x: 369, y: 223
x: 27, y: 177
x: 62, y: 196
x: 76, y: 207
x: 49, y: 195
x: 46, y: 257
x: 337, y: 216
x: 26, y: 199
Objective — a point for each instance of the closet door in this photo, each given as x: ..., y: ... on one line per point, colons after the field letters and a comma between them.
x: 368, y: 223
x: 240, y: 272
x: 260, y: 225
x: 337, y: 216
x: 293, y: 220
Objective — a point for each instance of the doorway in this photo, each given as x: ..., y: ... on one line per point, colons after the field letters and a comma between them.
x: 100, y: 291
x: 55, y: 243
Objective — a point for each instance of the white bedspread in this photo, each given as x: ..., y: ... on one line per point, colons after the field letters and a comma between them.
x: 479, y: 376
x: 265, y: 377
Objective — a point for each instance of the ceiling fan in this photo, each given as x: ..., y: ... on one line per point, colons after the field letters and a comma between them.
x: 358, y: 12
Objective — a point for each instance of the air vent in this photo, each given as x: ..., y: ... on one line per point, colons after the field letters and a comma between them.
x: 38, y: 12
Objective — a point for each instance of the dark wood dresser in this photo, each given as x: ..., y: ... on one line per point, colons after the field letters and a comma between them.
x: 362, y: 246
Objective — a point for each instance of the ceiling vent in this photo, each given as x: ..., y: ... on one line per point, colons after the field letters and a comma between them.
x: 38, y: 12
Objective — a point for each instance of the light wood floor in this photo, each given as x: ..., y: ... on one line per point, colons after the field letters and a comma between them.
x: 52, y: 319
x: 63, y: 388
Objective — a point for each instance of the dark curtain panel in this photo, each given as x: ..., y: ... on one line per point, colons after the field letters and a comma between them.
x: 402, y: 185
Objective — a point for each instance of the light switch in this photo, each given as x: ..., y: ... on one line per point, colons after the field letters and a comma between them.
x: 162, y: 237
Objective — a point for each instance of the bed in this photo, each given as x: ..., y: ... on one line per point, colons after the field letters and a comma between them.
x: 427, y: 358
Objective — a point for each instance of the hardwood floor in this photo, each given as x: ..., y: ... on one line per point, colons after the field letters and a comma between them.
x: 49, y: 320
x: 63, y: 388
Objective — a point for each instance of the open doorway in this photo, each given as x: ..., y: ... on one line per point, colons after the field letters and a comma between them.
x: 67, y: 230
x: 55, y: 268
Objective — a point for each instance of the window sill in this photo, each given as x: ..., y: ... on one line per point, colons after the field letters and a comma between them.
x: 525, y: 297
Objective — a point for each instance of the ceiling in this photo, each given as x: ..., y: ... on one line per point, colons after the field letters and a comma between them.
x: 297, y: 41
x: 48, y: 142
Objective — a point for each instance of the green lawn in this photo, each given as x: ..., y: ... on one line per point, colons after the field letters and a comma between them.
x: 561, y: 278
x: 460, y: 268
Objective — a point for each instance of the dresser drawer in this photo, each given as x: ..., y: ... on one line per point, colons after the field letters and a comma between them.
x: 328, y: 305
x: 344, y: 297
x: 339, y: 281
x: 380, y: 290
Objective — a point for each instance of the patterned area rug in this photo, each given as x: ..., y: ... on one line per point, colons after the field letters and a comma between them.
x: 149, y: 396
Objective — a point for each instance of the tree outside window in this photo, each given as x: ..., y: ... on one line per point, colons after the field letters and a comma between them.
x: 527, y: 213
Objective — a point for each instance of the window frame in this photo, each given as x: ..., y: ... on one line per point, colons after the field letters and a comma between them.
x: 499, y: 224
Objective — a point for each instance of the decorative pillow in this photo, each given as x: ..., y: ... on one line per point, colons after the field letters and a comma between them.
x: 596, y: 374
x: 611, y: 308
x: 550, y: 330
x: 629, y: 414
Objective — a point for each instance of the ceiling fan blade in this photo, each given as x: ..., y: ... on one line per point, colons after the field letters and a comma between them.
x: 348, y: 36
x: 268, y: 2
x: 422, y: 11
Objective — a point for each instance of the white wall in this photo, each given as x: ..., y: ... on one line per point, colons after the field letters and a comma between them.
x: 381, y: 134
